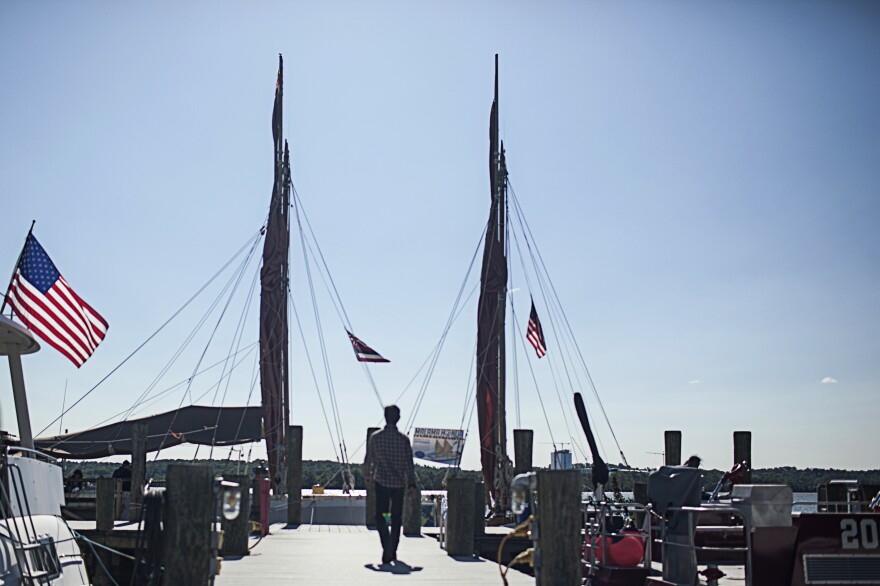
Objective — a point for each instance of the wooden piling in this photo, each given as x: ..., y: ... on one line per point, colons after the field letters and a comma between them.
x: 640, y: 495
x: 105, y: 504
x: 522, y: 449
x: 412, y: 512
x: 742, y: 452
x: 559, y: 527
x: 188, y: 523
x: 459, y: 517
x: 235, y: 532
x: 479, y: 509
x: 294, y: 474
x: 370, y: 512
x: 672, y: 448
x: 138, y: 468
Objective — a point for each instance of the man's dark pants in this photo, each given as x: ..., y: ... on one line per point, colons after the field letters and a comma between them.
x: 389, y: 499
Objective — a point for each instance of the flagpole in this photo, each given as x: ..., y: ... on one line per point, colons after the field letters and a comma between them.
x: 15, y: 268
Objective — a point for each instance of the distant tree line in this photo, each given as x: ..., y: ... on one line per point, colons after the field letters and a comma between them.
x: 329, y: 474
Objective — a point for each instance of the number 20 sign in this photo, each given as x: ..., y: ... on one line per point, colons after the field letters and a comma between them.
x: 855, y: 534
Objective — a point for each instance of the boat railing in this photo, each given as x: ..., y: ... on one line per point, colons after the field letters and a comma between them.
x: 12, y: 450
x: 665, y: 542
x: 600, y: 531
x: 36, y: 556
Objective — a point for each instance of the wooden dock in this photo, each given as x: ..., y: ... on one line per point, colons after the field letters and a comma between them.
x: 350, y: 554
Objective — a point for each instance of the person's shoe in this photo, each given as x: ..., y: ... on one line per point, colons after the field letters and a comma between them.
x: 387, y: 557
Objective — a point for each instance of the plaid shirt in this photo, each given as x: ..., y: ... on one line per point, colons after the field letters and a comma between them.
x: 389, y: 458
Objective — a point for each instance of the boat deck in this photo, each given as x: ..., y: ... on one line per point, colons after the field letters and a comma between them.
x: 350, y: 554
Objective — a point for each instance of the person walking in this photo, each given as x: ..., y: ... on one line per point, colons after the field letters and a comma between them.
x: 389, y: 462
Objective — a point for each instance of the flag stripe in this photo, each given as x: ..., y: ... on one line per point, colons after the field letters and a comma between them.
x: 59, y: 328
x: 33, y: 321
x: 46, y: 304
x: 535, y: 334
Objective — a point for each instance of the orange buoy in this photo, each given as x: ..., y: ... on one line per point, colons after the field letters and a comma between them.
x: 625, y: 549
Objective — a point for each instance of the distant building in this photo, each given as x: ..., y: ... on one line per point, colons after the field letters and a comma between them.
x: 560, y: 460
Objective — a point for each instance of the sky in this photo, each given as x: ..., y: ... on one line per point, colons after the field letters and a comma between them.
x: 702, y: 180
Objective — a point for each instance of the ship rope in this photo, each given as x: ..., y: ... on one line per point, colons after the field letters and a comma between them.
x: 551, y: 298
x: 247, y: 247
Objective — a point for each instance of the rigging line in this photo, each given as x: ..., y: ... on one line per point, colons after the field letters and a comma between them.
x: 191, y: 336
x: 256, y: 371
x: 202, y: 357
x: 321, y: 254
x: 331, y: 288
x: 247, y: 348
x: 513, y: 334
x: 437, y: 347
x: 563, y: 348
x: 334, y: 407
x: 457, y: 309
x: 566, y: 413
x: 537, y: 389
x: 574, y: 340
x: 235, y: 343
x: 312, y: 369
x: 153, y: 335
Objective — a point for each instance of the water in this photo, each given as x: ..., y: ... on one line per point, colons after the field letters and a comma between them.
x: 804, y: 502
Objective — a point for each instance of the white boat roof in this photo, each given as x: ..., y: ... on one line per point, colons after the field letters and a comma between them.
x: 16, y: 339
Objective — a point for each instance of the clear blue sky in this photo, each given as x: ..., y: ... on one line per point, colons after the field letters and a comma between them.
x: 702, y: 179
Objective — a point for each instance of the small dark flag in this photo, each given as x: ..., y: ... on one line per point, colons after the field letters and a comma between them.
x: 534, y: 333
x: 363, y: 352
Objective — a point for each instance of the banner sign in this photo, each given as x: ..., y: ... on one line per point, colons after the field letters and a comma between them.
x: 438, y: 445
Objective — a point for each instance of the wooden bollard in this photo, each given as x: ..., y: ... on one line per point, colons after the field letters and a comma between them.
x: 188, y: 523
x: 640, y: 495
x: 412, y: 512
x: 235, y: 532
x: 370, y: 506
x: 672, y: 448
x: 522, y: 450
x: 294, y: 474
x: 559, y: 528
x: 138, y: 468
x: 459, y: 517
x: 479, y: 509
x: 742, y: 452
x: 105, y: 504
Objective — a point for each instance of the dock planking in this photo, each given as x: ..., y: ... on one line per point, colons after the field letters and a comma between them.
x: 350, y: 554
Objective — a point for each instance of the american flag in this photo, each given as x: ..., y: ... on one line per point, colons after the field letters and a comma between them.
x: 363, y: 352
x: 534, y: 333
x: 46, y: 304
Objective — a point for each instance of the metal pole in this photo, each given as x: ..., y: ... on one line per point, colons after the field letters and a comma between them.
x: 21, y: 405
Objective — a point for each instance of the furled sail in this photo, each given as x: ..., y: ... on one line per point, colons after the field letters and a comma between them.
x: 218, y: 426
x: 274, y: 375
x: 490, y: 323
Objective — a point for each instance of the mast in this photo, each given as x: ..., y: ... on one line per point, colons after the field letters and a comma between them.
x: 490, y: 357
x: 274, y: 375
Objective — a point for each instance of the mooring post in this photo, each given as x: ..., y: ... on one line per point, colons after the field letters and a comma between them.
x: 294, y: 474
x: 559, y: 528
x: 138, y: 468
x: 235, y: 532
x: 412, y: 512
x: 370, y: 512
x: 640, y: 495
x: 479, y: 509
x: 459, y: 517
x: 190, y: 511
x: 742, y: 452
x: 105, y: 504
x: 522, y: 450
x: 672, y: 448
